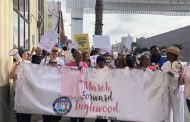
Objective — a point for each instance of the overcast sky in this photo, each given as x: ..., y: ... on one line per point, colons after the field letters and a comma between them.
x: 120, y: 25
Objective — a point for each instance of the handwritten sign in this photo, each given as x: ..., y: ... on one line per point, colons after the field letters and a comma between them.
x: 101, y: 41
x: 82, y: 42
x: 48, y: 40
x: 93, y: 60
x: 108, y: 50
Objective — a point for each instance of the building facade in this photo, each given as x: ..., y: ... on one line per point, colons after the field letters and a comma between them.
x: 21, y: 21
x: 179, y: 36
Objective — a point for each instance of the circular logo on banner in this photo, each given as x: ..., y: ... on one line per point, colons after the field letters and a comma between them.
x: 62, y: 105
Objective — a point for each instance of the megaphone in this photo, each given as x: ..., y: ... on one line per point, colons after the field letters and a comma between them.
x: 14, y: 53
x: 176, y: 66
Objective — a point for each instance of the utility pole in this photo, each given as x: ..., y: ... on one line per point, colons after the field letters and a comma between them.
x: 60, y: 30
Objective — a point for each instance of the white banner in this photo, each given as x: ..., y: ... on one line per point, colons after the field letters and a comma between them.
x: 122, y: 94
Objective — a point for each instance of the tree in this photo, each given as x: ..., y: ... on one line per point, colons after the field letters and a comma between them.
x: 99, y: 17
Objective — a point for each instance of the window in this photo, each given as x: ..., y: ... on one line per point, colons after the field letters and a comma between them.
x: 21, y: 23
x: 15, y: 4
x: 26, y: 37
x: 26, y: 9
x: 15, y: 29
x: 21, y: 33
x: 40, y: 18
x: 21, y: 7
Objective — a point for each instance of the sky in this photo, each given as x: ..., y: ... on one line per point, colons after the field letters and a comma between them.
x: 120, y: 25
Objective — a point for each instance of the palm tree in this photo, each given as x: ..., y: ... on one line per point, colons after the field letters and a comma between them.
x: 99, y: 17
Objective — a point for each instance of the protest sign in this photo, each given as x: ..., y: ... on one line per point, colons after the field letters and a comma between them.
x: 82, y: 41
x: 108, y: 50
x: 93, y: 60
x: 48, y: 40
x: 101, y: 41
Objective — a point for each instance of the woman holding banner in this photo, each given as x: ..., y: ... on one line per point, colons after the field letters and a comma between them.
x: 77, y: 63
x: 51, y: 61
x: 86, y: 58
x: 145, y: 63
x: 23, y: 53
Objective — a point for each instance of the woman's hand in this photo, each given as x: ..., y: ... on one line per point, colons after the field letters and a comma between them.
x: 12, y: 73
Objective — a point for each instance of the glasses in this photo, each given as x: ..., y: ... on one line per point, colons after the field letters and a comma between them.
x: 107, y: 62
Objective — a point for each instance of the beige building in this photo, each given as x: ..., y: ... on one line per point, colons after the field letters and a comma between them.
x: 21, y: 21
